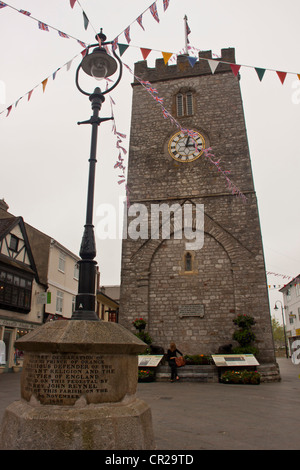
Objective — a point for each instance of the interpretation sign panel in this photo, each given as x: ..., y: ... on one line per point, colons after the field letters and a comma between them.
x: 223, y: 360
x: 149, y: 361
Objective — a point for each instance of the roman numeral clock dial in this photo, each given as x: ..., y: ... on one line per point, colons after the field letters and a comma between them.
x: 184, y: 148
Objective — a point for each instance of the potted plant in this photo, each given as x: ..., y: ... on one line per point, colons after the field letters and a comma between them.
x: 146, y: 375
x: 139, y: 324
x: 244, y: 335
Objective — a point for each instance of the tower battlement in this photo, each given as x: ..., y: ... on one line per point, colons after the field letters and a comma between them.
x: 183, y: 68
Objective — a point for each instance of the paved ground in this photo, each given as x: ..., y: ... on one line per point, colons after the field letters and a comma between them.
x: 190, y: 416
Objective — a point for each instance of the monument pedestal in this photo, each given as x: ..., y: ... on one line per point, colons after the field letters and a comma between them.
x: 78, y: 391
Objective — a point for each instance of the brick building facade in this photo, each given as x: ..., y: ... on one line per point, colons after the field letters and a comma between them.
x: 185, y: 295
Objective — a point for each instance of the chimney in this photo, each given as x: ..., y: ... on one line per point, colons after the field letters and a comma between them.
x: 3, y: 205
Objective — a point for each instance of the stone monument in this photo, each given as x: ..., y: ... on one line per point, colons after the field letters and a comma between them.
x: 78, y: 391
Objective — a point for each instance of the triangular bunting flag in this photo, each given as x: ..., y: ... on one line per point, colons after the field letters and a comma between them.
x: 145, y: 52
x: 166, y: 56
x: 85, y: 20
x: 235, y: 68
x: 192, y: 61
x: 9, y: 110
x: 122, y: 48
x: 69, y: 64
x: 29, y: 94
x: 260, y: 72
x: 127, y: 34
x: 44, y: 83
x: 153, y: 11
x: 282, y: 76
x: 72, y: 3
x: 213, y: 64
x: 140, y: 21
x: 298, y: 75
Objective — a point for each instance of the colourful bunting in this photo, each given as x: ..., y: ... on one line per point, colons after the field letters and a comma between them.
x: 2, y: 5
x: 63, y: 35
x: 85, y: 20
x: 213, y: 64
x: 166, y: 4
x: 9, y: 108
x: 122, y: 48
x: 235, y: 69
x: 281, y: 76
x: 26, y: 13
x: 29, y: 94
x: 127, y: 34
x: 166, y: 56
x: 260, y: 72
x: 43, y: 26
x: 140, y: 21
x: 145, y: 52
x: 44, y: 83
x: 153, y: 11
x: 192, y: 60
x: 72, y: 3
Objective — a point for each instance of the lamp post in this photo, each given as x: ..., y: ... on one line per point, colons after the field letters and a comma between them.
x: 99, y: 65
x: 285, y: 339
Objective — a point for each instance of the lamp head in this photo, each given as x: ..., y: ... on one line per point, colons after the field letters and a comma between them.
x: 99, y: 64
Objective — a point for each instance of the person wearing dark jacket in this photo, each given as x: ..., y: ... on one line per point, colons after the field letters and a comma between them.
x: 171, y: 355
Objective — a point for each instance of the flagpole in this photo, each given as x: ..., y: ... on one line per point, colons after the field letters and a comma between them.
x: 186, y: 34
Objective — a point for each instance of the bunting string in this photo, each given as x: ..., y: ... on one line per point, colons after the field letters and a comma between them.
x: 41, y: 25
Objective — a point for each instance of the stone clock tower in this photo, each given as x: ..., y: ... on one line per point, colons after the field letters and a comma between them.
x: 190, y: 293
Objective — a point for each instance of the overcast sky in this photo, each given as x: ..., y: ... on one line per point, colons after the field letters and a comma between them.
x: 44, y: 153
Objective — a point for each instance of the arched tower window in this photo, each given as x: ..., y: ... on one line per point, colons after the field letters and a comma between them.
x: 185, y: 104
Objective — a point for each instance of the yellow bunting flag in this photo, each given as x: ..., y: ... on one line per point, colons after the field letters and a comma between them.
x: 167, y: 56
x: 44, y: 83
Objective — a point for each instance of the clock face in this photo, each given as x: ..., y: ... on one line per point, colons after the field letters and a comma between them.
x: 185, y: 148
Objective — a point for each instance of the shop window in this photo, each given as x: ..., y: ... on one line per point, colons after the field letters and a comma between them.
x: 15, y: 292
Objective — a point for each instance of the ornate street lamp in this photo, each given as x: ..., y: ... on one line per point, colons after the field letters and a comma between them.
x: 284, y: 330
x: 99, y: 65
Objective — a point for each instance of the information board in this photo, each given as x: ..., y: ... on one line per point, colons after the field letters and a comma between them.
x: 149, y: 361
x: 227, y: 360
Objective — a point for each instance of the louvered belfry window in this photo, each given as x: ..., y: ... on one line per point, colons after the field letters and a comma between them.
x: 184, y: 104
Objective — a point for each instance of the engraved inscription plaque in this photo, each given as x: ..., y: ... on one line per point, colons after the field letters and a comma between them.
x: 61, y: 379
x: 194, y: 310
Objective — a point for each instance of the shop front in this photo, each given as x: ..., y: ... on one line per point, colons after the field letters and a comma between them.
x: 10, y: 330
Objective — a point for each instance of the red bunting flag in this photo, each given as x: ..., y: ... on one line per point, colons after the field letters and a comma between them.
x: 9, y: 110
x: 72, y: 3
x: 29, y: 94
x: 281, y: 76
x: 145, y: 52
x: 235, y: 69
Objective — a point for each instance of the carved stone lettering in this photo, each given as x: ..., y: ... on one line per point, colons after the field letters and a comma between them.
x: 64, y: 378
